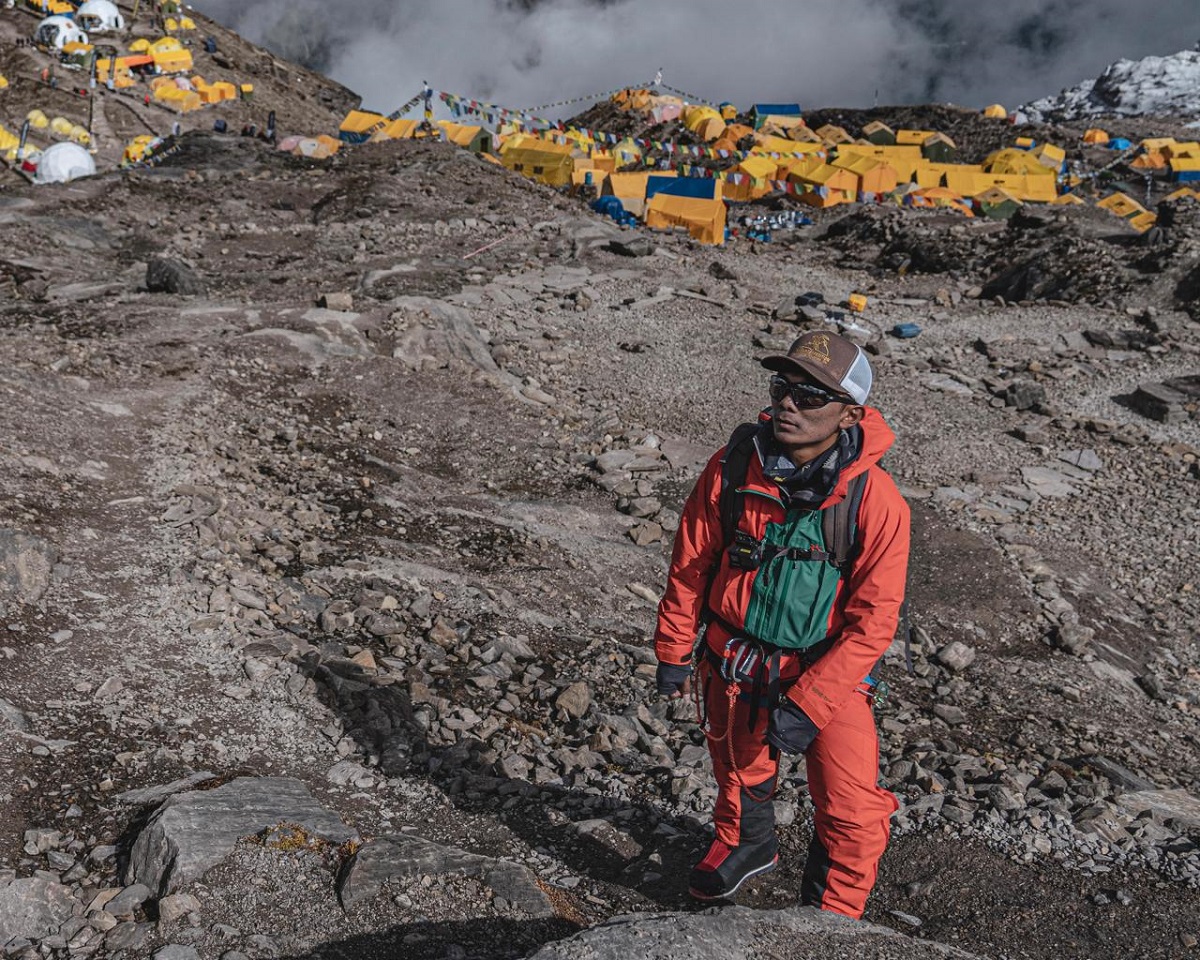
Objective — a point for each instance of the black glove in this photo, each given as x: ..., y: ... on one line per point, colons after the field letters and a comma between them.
x: 790, y: 730
x: 670, y: 678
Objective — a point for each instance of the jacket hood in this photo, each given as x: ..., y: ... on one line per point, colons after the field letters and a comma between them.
x: 877, y: 439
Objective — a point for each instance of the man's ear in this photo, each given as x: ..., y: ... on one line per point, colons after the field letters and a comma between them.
x: 851, y: 415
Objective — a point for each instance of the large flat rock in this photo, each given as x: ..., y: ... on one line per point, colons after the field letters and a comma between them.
x: 193, y: 832
x: 34, y: 908
x: 740, y: 933
x: 26, y: 565
x: 1178, y: 805
x: 404, y: 857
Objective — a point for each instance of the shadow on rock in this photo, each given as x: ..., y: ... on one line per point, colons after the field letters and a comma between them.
x: 478, y: 939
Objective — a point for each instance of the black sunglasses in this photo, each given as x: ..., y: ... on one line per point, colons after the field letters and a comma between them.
x: 804, y: 395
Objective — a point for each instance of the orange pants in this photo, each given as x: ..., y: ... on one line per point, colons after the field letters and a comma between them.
x: 851, y: 824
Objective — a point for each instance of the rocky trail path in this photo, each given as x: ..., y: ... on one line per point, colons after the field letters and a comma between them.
x: 326, y: 627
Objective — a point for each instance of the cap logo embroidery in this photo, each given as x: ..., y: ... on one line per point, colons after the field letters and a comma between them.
x: 816, y: 349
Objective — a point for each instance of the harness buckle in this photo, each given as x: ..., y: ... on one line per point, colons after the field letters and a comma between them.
x: 741, y: 661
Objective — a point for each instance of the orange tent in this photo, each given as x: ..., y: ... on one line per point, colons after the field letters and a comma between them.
x: 1149, y: 161
x: 736, y: 131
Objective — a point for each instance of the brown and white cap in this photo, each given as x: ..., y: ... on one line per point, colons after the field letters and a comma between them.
x: 830, y: 360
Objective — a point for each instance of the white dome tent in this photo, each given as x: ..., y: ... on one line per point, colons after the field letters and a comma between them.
x: 58, y: 30
x: 64, y: 162
x: 99, y: 16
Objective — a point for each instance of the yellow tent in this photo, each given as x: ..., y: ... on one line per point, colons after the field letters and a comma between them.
x: 184, y: 101
x: 779, y: 125
x: 140, y: 45
x: 704, y: 219
x: 826, y: 185
x: 1050, y: 155
x: 833, y: 135
x: 1143, y: 221
x: 786, y: 148
x: 1012, y: 160
x: 541, y: 160
x: 1182, y: 193
x: 1121, y: 205
x: 704, y: 122
x: 874, y: 174
x: 1176, y: 150
x: 996, y: 112
x: 1095, y: 135
x: 905, y: 160
x: 358, y: 122
x: 936, y: 198
x: 1157, y: 144
x: 1149, y: 161
x: 37, y: 119
x: 138, y: 148
x: 1184, y: 165
x: 173, y: 61
x: 61, y: 126
x: 908, y: 138
x: 398, y: 129
x: 713, y: 128
x: 754, y: 174
x: 736, y: 131
x: 630, y: 188
x: 165, y: 45
x: 694, y: 115
x: 472, y: 138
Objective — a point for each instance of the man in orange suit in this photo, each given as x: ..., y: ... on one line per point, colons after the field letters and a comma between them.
x: 796, y: 572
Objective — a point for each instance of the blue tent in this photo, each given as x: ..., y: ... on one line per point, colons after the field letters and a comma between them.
x: 701, y: 188
x: 762, y: 110
x: 1119, y: 143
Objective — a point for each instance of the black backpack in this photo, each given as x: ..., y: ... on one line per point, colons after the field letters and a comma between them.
x: 839, y: 522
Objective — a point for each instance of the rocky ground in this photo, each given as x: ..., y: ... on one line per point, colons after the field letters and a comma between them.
x: 303, y: 102
x: 336, y: 501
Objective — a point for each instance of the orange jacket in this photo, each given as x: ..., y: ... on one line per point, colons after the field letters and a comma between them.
x: 866, y: 606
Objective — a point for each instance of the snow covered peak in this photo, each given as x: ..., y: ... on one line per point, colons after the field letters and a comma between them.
x: 1157, y: 86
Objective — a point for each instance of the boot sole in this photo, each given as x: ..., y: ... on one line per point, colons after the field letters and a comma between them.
x: 709, y: 898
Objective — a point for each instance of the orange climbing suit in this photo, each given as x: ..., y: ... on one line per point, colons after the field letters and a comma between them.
x: 851, y: 824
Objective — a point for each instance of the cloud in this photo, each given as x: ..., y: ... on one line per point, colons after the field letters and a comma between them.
x: 522, y: 53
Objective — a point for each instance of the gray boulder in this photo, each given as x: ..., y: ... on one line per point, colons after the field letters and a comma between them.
x: 34, y: 908
x: 171, y: 276
x: 740, y: 933
x: 26, y: 564
x: 193, y: 832
x: 403, y: 857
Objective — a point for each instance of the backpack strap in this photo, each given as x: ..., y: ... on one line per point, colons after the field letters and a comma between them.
x: 839, y: 523
x: 735, y: 465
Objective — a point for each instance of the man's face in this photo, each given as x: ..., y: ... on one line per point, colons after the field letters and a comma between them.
x: 810, y: 427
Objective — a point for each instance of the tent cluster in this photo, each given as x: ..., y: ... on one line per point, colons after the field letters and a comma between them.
x: 88, y: 37
x: 59, y: 129
x: 361, y: 126
x: 185, y: 94
x: 689, y: 185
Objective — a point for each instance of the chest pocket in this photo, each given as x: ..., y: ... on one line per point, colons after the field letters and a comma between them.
x: 795, y: 584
